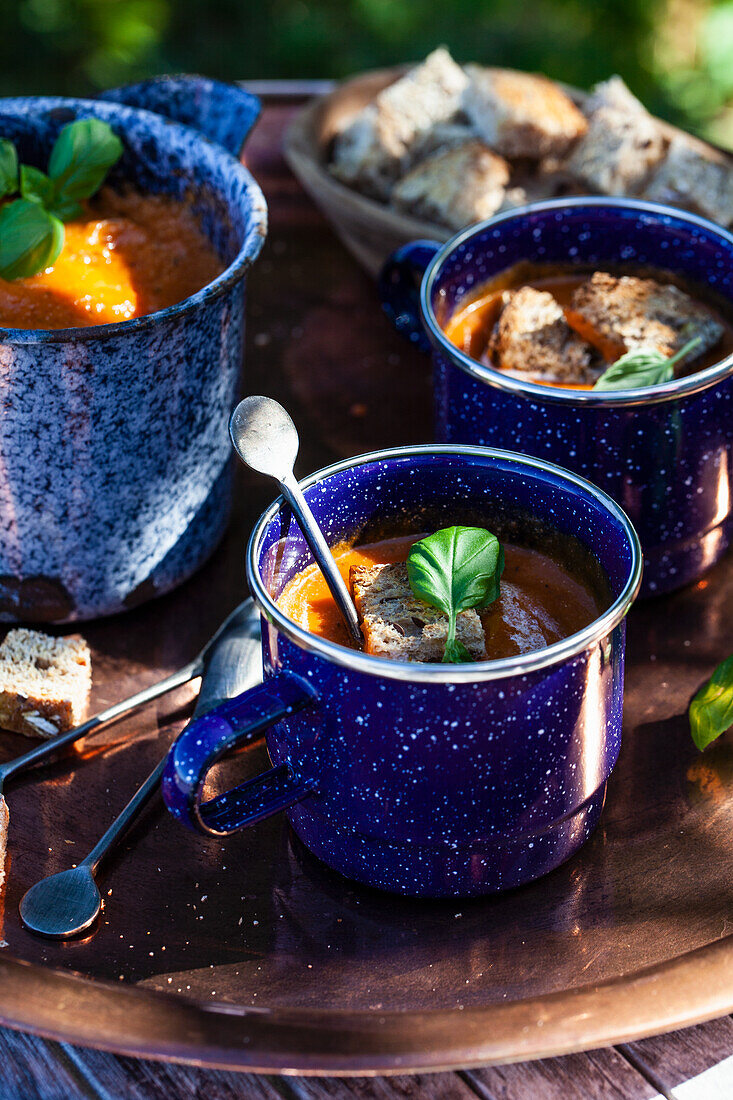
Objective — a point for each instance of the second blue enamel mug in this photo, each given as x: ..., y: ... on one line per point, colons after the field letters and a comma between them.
x: 665, y: 453
x: 426, y: 780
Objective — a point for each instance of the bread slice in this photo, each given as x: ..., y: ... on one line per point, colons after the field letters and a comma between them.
x: 623, y: 143
x: 375, y: 148
x: 695, y: 177
x: 455, y: 187
x: 400, y: 627
x: 44, y: 682
x: 617, y: 315
x: 520, y: 114
x: 531, y: 338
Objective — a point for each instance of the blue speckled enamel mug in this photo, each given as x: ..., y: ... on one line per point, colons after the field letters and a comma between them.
x: 664, y: 453
x: 115, y: 472
x: 427, y: 780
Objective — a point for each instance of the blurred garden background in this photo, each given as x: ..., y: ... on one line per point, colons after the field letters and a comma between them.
x: 677, y: 55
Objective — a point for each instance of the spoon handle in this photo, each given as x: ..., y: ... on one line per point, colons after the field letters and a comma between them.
x: 322, y: 553
x: 118, y: 710
x: 123, y: 821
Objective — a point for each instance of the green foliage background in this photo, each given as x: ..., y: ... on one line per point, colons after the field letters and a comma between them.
x: 676, y: 54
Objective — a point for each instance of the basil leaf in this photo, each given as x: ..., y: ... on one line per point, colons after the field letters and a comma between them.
x: 30, y: 239
x: 711, y: 711
x: 36, y: 185
x: 642, y: 367
x: 65, y: 209
x: 84, y: 152
x: 453, y: 570
x: 8, y: 168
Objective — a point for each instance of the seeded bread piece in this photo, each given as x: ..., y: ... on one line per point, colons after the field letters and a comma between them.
x: 440, y: 138
x: 456, y: 187
x: 619, y: 315
x: 695, y: 177
x: 532, y: 339
x: 521, y: 114
x: 374, y: 149
x: 623, y: 143
x: 44, y: 682
x: 400, y: 627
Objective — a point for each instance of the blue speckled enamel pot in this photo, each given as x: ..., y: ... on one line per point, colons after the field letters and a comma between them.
x: 114, y: 458
x: 428, y: 780
x: 665, y: 454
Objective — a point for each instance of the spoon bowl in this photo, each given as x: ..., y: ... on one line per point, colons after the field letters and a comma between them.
x: 62, y: 905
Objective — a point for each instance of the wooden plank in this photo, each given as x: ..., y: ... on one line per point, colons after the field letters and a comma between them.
x: 693, y: 1064
x: 597, y: 1075
x: 437, y: 1086
x: 33, y: 1069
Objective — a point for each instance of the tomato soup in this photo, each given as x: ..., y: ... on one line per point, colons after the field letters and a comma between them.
x: 540, y: 601
x: 471, y: 325
x: 127, y: 256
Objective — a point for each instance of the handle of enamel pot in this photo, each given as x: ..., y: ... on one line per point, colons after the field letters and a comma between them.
x: 399, y: 288
x: 224, y: 113
x: 235, y: 723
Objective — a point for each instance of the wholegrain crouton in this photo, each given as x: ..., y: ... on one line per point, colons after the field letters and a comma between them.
x: 617, y: 315
x: 44, y: 682
x: 456, y: 187
x: 695, y: 177
x: 375, y: 148
x: 399, y: 626
x: 623, y: 143
x: 532, y: 338
x: 520, y: 114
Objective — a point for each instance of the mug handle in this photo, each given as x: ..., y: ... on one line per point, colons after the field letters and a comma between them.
x: 399, y: 288
x: 238, y: 721
x: 224, y: 113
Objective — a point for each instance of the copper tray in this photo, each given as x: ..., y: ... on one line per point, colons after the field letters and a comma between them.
x: 247, y: 953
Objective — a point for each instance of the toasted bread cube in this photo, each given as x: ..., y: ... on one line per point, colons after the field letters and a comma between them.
x: 695, y: 177
x: 400, y: 627
x: 532, y: 339
x: 456, y: 187
x: 520, y: 114
x: 44, y: 682
x: 617, y: 315
x: 623, y: 143
x: 375, y: 148
x: 440, y: 138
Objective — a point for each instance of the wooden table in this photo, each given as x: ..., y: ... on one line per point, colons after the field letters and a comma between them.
x: 335, y: 407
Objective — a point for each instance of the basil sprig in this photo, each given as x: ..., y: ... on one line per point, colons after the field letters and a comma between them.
x: 711, y: 711
x: 453, y: 570
x: 643, y: 367
x: 31, y: 224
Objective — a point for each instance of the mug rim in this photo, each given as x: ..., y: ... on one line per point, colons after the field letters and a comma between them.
x: 476, y: 671
x: 254, y: 236
x: 667, y: 391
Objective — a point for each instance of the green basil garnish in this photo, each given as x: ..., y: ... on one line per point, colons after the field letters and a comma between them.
x: 711, y: 711
x: 642, y: 367
x: 81, y: 158
x: 453, y: 570
x: 8, y: 168
x: 30, y: 239
x: 31, y: 226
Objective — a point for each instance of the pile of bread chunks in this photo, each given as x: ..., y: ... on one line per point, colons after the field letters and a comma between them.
x: 456, y: 144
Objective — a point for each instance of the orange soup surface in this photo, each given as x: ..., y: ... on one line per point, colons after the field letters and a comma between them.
x: 127, y: 256
x: 471, y: 325
x: 540, y: 601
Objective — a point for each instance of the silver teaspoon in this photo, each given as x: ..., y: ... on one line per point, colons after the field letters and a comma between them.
x: 68, y: 903
x: 266, y: 439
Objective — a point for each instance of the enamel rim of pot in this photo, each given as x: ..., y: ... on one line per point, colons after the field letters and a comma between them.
x: 254, y: 234
x: 438, y: 673
x: 667, y: 391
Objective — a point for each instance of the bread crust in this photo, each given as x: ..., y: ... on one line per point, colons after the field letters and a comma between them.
x: 531, y: 337
x: 455, y: 187
x: 45, y: 682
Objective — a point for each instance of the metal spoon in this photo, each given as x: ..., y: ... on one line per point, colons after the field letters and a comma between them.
x: 266, y: 439
x: 67, y: 903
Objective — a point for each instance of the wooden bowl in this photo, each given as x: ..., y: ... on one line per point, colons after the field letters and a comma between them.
x: 370, y: 229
